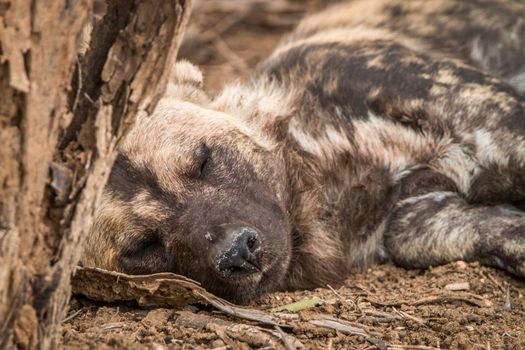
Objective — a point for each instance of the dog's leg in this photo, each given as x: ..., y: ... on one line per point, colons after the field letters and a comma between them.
x: 440, y: 227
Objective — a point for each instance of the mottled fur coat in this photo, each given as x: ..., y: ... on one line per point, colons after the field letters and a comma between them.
x: 379, y: 130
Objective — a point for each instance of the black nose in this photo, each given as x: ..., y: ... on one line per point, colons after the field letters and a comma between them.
x: 242, y: 257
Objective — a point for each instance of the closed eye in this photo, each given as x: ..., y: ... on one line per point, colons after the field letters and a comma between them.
x: 204, y: 165
x: 150, y: 243
x: 145, y: 255
x: 202, y: 158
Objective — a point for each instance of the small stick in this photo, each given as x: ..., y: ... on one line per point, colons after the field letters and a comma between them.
x: 380, y: 316
x: 330, y: 345
x: 286, y: 343
x: 111, y: 326
x: 237, y: 311
x: 72, y: 316
x: 347, y: 328
x: 494, y: 281
x: 339, y: 325
x: 508, y: 302
x: 225, y: 338
x: 79, y: 87
x: 466, y: 298
x: 350, y: 302
x: 411, y: 347
x: 335, y: 292
x: 411, y: 317
x: 363, y: 289
x: 458, y: 286
x: 89, y: 98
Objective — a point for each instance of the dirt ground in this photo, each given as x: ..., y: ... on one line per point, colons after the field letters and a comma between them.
x: 457, y: 306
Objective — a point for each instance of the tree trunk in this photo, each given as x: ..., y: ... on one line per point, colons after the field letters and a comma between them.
x: 61, y: 116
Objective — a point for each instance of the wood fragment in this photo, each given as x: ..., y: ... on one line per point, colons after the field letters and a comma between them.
x: 287, y: 344
x: 412, y: 317
x: 112, y: 326
x: 226, y: 339
x: 72, y: 316
x: 338, y: 325
x: 350, y: 302
x: 330, y: 345
x: 458, y: 286
x: 411, y: 347
x: 494, y: 281
x: 348, y: 328
x: 468, y: 298
x: 157, y: 290
x: 286, y: 316
x: 335, y: 292
x: 508, y: 303
x: 240, y: 312
x: 382, y: 315
x: 471, y: 299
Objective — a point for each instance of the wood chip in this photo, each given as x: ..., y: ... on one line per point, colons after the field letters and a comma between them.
x: 457, y: 286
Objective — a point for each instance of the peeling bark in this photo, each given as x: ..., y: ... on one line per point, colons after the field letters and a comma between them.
x: 61, y: 117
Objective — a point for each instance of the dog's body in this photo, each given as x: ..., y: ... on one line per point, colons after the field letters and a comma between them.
x: 378, y: 130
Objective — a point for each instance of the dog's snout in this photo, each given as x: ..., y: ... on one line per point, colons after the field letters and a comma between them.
x: 242, y: 255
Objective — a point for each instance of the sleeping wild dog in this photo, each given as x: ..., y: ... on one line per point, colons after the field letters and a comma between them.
x: 379, y: 130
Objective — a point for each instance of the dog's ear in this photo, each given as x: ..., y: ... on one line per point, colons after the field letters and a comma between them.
x: 186, y: 83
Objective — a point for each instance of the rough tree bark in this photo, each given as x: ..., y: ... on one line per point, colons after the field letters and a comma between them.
x: 61, y: 116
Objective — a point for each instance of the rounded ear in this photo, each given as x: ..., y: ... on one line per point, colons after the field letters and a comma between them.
x: 186, y: 83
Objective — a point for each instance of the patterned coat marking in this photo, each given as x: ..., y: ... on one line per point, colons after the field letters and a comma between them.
x: 377, y: 131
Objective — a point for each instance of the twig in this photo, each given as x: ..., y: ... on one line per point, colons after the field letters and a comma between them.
x: 225, y: 338
x: 411, y: 347
x: 458, y: 286
x: 379, y: 316
x: 72, y: 316
x: 115, y: 325
x: 352, y: 303
x: 245, y: 313
x: 335, y: 292
x: 86, y: 95
x: 411, y: 317
x: 340, y: 325
x: 508, y: 302
x: 363, y: 289
x: 285, y: 341
x: 468, y: 298
x: 79, y: 87
x: 347, y: 328
x: 494, y: 281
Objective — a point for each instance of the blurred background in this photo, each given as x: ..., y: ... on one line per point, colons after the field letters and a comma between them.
x: 228, y: 38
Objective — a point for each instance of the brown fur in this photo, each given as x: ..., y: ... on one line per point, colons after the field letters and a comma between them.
x: 378, y: 130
